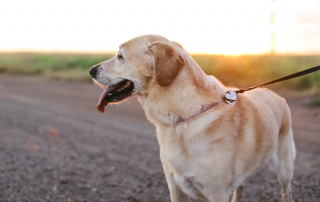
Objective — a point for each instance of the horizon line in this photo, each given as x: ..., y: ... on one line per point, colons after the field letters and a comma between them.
x: 71, y: 51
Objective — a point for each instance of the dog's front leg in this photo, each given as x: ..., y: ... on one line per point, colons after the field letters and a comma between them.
x: 176, y: 194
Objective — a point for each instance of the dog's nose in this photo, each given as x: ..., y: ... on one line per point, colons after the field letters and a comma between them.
x: 93, y: 71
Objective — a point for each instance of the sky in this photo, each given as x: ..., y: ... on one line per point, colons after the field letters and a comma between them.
x: 201, y: 26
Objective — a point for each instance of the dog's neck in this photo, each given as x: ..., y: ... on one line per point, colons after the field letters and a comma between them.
x: 190, y: 92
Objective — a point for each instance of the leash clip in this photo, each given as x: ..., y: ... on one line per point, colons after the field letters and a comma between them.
x: 230, y: 97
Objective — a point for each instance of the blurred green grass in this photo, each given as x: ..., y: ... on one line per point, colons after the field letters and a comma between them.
x: 238, y: 71
x: 56, y: 66
x: 249, y: 70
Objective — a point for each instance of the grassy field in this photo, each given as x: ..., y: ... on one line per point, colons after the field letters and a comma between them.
x: 238, y: 71
x: 62, y: 66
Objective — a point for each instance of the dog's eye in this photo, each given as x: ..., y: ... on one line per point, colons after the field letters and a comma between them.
x: 120, y: 57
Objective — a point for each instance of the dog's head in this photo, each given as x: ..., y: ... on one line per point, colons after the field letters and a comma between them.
x: 139, y: 62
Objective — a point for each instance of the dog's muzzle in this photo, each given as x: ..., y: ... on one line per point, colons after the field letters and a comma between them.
x: 93, y: 71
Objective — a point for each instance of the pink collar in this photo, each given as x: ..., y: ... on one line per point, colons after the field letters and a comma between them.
x: 203, y: 109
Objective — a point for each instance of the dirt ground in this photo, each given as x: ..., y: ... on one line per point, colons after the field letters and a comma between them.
x: 55, y: 146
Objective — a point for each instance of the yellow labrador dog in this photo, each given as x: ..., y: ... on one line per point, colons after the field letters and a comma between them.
x: 208, y: 148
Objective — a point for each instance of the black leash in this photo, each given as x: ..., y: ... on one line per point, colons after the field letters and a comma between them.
x: 291, y: 76
x: 231, y: 96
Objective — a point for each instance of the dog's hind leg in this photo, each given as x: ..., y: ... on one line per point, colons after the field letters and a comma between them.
x: 282, y: 163
x: 237, y: 194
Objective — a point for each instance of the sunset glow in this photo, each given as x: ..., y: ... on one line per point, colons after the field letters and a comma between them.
x: 219, y: 27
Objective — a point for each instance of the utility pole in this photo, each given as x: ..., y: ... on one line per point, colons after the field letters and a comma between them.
x: 273, y: 34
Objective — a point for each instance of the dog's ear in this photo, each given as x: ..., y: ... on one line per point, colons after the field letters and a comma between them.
x: 167, y: 62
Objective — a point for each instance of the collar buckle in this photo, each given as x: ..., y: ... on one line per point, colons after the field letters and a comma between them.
x: 230, y: 97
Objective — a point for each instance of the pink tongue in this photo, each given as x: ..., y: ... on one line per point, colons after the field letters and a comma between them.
x: 102, y: 101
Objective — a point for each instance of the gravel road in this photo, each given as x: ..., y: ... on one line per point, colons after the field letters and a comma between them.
x: 55, y: 146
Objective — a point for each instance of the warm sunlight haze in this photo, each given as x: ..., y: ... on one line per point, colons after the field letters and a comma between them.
x: 218, y: 27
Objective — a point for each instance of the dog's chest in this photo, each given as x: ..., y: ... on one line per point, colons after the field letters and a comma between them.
x: 188, y: 161
x: 190, y: 185
x: 188, y: 168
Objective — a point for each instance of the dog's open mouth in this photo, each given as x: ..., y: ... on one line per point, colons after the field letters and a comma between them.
x: 115, y: 93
